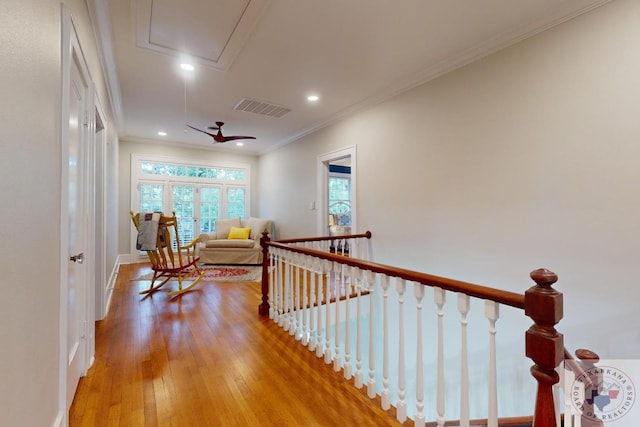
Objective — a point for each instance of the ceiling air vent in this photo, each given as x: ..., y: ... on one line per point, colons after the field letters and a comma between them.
x: 259, y: 107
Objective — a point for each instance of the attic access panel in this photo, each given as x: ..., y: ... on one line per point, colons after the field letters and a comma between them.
x: 213, y: 33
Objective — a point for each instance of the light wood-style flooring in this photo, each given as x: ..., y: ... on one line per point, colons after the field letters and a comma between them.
x: 207, y: 359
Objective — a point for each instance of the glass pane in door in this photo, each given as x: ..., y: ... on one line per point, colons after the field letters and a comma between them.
x: 182, y: 202
x: 339, y: 201
x: 209, y: 208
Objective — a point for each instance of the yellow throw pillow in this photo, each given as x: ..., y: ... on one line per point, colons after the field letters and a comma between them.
x: 239, y: 233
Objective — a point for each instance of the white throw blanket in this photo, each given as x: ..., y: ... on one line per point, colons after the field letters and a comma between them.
x: 147, y: 231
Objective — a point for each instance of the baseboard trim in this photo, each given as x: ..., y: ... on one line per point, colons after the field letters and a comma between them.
x: 113, y: 277
x: 60, y: 420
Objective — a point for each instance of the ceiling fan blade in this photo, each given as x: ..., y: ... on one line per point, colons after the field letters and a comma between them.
x: 233, y: 138
x: 217, y: 137
x: 213, y: 135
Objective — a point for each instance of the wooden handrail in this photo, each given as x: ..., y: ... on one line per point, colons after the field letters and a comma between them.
x: 484, y: 292
x: 366, y: 235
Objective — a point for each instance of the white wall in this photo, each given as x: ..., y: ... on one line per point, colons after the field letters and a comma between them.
x: 30, y: 83
x: 30, y: 164
x: 129, y: 147
x: 525, y: 159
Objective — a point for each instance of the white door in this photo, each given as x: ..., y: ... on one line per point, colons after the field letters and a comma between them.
x: 197, y: 207
x: 210, y: 207
x: 76, y: 279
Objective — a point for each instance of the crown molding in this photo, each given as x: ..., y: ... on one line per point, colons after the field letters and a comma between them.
x: 459, y: 60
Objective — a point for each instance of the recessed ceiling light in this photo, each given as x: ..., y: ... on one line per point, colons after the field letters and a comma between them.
x: 313, y: 98
x: 187, y: 67
x: 161, y: 133
x: 239, y: 144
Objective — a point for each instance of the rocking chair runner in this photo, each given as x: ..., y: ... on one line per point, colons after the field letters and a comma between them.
x: 167, y: 262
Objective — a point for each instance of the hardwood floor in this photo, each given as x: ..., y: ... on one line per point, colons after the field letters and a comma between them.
x: 207, y: 359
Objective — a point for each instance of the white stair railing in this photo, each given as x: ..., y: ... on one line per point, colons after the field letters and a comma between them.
x: 353, y: 314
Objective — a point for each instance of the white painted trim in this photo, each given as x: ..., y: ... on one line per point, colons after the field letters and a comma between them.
x: 89, y: 223
x: 70, y: 49
x: 67, y: 30
x: 322, y: 194
x: 113, y: 277
x: 58, y: 422
x: 250, y: 17
x: 100, y: 150
x: 125, y: 259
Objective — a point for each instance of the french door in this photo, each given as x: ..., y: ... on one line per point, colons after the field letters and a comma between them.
x: 197, y: 207
x: 198, y: 192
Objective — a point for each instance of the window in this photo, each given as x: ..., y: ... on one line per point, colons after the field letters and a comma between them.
x: 198, y: 193
x: 151, y: 197
x: 235, y: 202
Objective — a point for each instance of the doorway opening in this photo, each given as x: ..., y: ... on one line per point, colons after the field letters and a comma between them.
x: 337, y: 192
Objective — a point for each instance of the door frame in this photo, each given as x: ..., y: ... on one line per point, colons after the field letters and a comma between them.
x: 322, y: 191
x: 72, y: 52
x: 98, y: 133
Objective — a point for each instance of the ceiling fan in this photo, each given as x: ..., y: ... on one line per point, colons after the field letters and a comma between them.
x: 217, y: 137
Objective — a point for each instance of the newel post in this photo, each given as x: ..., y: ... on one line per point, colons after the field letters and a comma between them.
x: 263, y: 308
x: 544, y: 345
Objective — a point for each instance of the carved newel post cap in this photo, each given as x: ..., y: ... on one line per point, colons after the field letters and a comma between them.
x: 584, y: 354
x: 544, y: 277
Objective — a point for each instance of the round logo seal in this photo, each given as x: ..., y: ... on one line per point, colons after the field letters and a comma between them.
x: 603, y: 393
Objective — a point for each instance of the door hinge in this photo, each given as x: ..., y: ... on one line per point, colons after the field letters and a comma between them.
x: 83, y: 333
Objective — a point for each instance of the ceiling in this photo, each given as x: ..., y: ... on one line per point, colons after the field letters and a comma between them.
x: 351, y: 53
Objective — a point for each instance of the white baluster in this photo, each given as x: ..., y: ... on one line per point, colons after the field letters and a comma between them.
x: 327, y: 346
x: 288, y: 295
x: 418, y: 418
x: 464, y: 306
x: 272, y: 286
x: 401, y: 413
x: 298, y: 288
x: 356, y: 276
x: 347, y: 279
x: 304, y: 330
x: 338, y: 277
x: 386, y: 394
x: 314, y: 306
x: 558, y: 391
x: 320, y: 276
x: 371, y: 384
x: 439, y: 298
x: 492, y: 313
x: 569, y: 411
x: 295, y: 297
x: 281, y: 287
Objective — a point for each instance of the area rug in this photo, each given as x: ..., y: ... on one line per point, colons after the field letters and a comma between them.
x: 223, y: 273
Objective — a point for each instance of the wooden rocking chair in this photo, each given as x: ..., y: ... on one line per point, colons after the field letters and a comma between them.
x: 168, y: 258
